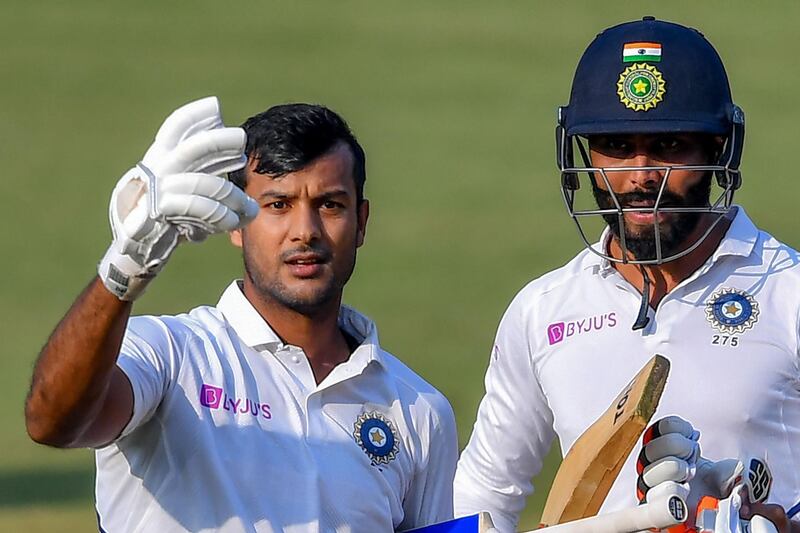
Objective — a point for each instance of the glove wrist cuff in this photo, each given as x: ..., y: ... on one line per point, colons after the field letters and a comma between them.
x: 122, y: 276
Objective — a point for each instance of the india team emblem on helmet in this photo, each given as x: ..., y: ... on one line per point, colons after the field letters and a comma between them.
x: 732, y: 311
x: 377, y: 436
x: 641, y: 87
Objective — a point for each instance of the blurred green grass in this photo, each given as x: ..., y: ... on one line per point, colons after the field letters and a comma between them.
x: 454, y: 103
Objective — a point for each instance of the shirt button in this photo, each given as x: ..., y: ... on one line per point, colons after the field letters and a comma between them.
x: 295, y: 359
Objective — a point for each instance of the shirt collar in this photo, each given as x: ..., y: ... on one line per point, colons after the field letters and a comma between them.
x: 363, y: 330
x: 256, y: 332
x: 740, y: 239
x: 598, y: 264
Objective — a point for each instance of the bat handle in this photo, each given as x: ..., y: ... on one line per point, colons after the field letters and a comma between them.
x: 658, y: 514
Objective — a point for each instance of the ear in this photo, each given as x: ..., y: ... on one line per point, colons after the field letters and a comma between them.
x: 236, y: 237
x: 363, y: 216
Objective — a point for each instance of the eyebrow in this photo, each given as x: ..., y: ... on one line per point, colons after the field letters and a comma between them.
x: 334, y: 193
x: 280, y: 195
x: 274, y: 194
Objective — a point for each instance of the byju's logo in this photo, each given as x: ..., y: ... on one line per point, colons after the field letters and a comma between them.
x: 555, y: 332
x: 558, y: 331
x: 210, y: 396
x: 215, y: 398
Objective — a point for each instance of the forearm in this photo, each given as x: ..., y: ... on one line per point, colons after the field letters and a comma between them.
x: 74, y: 370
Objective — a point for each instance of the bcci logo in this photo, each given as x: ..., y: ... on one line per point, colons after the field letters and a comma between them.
x: 641, y: 87
x: 377, y: 436
x: 732, y: 311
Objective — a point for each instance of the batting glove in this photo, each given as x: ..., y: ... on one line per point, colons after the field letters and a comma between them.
x: 751, y: 484
x: 175, y: 194
x: 670, y: 463
x: 670, y: 454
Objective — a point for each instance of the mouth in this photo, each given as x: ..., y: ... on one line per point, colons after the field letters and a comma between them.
x: 306, y: 265
x: 642, y: 212
x: 641, y: 203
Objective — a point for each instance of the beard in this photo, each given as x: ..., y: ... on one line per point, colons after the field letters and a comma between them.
x: 307, y: 303
x: 672, y: 233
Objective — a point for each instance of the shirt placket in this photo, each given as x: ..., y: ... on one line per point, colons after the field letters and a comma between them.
x: 298, y: 366
x: 303, y: 386
x: 317, y: 425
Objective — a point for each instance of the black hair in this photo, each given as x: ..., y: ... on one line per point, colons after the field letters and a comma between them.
x: 286, y: 138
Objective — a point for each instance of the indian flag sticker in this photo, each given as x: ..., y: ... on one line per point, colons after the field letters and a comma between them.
x: 632, y: 52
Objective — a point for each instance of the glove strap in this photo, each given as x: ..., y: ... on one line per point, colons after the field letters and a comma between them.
x: 152, y: 189
x: 122, y: 276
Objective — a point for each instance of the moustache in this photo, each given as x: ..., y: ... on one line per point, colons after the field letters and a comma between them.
x: 323, y: 254
x: 635, y: 199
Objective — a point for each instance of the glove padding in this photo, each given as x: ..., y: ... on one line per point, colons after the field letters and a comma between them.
x: 670, y: 463
x: 174, y: 194
x: 727, y: 515
x: 670, y: 452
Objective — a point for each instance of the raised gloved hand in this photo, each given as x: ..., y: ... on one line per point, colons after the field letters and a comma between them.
x: 174, y: 194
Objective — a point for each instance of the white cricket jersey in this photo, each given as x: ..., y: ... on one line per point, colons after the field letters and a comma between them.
x: 565, y: 349
x: 231, y: 433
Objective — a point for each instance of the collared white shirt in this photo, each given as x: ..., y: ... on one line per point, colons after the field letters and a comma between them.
x: 230, y: 432
x: 565, y: 349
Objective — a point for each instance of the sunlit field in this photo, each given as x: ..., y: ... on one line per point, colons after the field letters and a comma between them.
x: 454, y: 103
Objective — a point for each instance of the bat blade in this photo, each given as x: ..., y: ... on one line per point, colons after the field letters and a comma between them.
x: 596, y: 458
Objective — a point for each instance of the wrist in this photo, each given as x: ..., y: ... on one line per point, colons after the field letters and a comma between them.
x: 122, y: 276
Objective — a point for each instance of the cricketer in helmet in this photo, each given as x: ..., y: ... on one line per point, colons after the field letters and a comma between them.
x: 652, y: 101
x: 662, y: 105
x: 649, y: 148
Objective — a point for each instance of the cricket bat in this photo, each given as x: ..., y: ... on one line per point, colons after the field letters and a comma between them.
x: 596, y: 458
x: 591, y: 466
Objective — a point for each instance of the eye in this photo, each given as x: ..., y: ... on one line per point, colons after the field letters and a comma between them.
x: 330, y: 204
x: 277, y: 205
x: 620, y: 145
x: 670, y: 144
x: 679, y: 149
x: 612, y: 146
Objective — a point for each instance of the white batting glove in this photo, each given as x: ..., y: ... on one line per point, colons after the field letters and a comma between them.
x: 670, y: 464
x: 670, y: 455
x: 175, y: 194
x: 752, y: 483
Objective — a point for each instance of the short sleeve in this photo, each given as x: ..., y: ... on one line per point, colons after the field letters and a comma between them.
x: 149, y: 358
x: 430, y: 498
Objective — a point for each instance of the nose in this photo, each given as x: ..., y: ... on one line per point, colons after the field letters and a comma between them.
x: 306, y: 225
x: 645, y: 178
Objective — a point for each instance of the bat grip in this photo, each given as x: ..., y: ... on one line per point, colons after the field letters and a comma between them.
x: 658, y: 514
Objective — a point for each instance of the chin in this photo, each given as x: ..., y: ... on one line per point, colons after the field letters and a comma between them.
x: 310, y: 299
x: 308, y: 287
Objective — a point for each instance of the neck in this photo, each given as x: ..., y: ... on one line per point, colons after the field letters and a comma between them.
x: 317, y: 333
x: 666, y: 276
